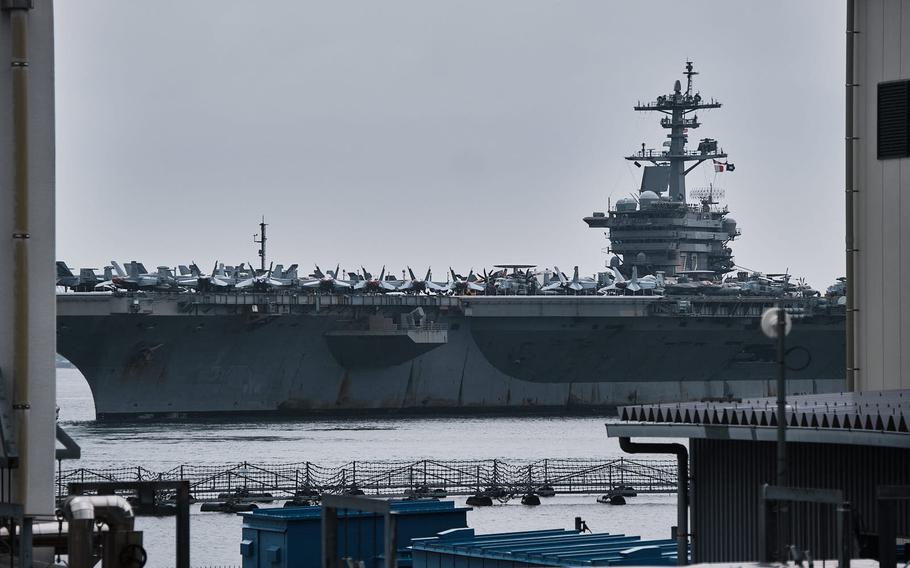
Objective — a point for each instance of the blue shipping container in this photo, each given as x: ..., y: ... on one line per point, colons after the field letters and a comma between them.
x: 291, y: 537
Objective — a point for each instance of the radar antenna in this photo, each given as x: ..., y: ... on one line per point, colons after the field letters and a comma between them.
x: 707, y: 195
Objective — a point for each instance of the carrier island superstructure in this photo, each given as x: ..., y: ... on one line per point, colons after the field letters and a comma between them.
x: 659, y: 230
x: 302, y: 349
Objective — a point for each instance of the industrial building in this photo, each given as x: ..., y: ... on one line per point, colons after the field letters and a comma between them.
x: 847, y: 456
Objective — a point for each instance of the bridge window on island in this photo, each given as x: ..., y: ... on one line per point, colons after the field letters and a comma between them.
x: 894, y: 119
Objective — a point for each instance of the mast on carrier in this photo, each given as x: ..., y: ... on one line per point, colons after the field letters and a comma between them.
x: 677, y: 106
x: 260, y: 240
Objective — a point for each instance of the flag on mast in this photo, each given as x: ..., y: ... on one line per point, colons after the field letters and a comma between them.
x: 719, y: 166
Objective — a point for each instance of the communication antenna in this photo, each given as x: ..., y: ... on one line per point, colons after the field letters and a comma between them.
x: 689, y: 73
x: 260, y: 240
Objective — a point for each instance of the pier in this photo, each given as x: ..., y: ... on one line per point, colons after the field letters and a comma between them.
x: 580, y: 476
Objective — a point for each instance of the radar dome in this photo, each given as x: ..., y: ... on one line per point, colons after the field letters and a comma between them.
x: 729, y: 226
x: 626, y: 204
x: 647, y: 198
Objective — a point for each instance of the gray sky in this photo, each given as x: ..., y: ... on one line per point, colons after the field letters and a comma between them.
x: 425, y: 133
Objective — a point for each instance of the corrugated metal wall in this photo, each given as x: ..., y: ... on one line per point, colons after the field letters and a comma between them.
x: 727, y: 477
x: 881, y: 214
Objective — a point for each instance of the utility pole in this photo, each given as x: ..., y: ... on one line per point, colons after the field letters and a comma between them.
x: 260, y: 239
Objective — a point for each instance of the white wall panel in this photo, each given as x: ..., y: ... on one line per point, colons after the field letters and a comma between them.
x: 882, y: 208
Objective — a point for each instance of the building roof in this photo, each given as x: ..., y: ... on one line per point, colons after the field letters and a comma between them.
x: 880, y: 418
x: 553, y: 547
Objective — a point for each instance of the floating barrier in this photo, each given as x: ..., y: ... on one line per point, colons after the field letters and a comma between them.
x: 496, y: 478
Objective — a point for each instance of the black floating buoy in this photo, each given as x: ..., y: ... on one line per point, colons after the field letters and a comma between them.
x: 612, y: 498
x: 439, y: 493
x: 353, y: 490
x: 530, y: 499
x: 229, y: 506
x: 546, y: 491
x: 479, y: 501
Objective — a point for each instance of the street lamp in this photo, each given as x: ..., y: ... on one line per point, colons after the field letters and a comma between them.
x: 776, y: 323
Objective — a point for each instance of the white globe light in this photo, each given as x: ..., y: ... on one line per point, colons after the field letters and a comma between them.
x: 769, y: 323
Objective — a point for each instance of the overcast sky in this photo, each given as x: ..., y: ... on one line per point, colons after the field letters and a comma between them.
x: 433, y: 134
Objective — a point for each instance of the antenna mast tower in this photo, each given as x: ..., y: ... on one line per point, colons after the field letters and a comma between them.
x: 260, y: 239
x: 677, y: 106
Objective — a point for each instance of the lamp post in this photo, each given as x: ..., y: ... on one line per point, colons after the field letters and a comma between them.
x: 776, y: 323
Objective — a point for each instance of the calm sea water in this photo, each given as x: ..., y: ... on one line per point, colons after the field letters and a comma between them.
x: 216, y: 536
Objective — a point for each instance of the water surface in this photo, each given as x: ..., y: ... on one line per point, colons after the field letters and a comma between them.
x: 216, y: 536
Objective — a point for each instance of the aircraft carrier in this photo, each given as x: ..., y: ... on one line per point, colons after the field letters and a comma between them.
x: 661, y: 325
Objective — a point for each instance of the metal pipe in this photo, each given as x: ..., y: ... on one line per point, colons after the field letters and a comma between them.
x: 783, y: 527
x: 850, y: 242
x: 682, y: 487
x: 112, y: 509
x: 79, y: 543
x: 80, y: 515
x: 845, y: 536
x: 183, y: 525
x: 81, y: 512
x: 781, y: 398
x: 20, y: 235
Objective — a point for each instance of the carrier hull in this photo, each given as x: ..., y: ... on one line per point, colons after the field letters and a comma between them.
x: 173, y: 356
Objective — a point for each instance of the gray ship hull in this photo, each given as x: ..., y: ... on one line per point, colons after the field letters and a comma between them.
x: 173, y: 356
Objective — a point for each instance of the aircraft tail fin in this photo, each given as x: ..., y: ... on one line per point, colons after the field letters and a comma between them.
x: 63, y: 271
x: 118, y: 269
x: 618, y: 276
x: 559, y: 275
x: 633, y: 285
x: 132, y: 269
